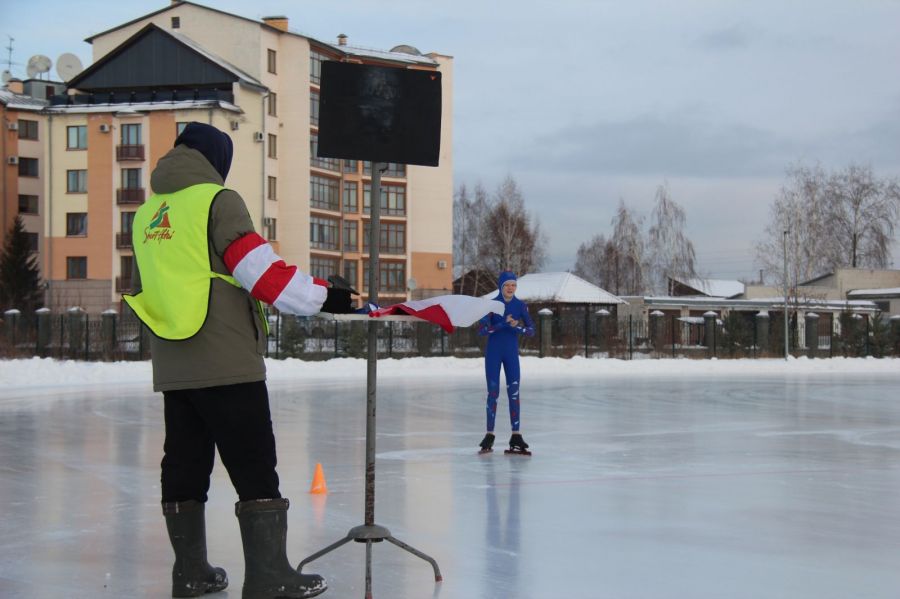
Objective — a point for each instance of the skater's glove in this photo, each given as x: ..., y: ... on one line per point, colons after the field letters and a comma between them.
x: 337, y: 301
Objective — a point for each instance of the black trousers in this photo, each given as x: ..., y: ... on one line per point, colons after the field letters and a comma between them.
x: 233, y: 418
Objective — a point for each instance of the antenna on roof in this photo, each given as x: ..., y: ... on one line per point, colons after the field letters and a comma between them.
x: 9, y: 50
x: 67, y: 66
x: 38, y: 64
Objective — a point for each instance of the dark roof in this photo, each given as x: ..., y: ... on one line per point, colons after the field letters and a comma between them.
x: 156, y: 58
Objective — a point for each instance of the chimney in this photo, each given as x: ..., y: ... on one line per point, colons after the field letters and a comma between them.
x: 278, y: 22
x: 16, y: 86
x: 342, y: 40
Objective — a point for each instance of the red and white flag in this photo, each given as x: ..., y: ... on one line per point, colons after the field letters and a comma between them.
x: 446, y: 311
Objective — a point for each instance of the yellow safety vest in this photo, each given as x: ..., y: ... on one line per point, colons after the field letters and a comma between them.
x: 171, y: 246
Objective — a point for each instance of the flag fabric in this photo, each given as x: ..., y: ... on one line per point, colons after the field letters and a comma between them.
x: 446, y: 311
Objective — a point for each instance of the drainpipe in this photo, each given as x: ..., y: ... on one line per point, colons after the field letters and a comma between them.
x: 48, y: 202
x: 4, y: 133
x: 262, y: 212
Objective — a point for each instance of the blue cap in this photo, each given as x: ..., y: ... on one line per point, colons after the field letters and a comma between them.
x: 505, y: 276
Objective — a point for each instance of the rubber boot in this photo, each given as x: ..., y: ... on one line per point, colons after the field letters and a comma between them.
x: 192, y: 576
x: 267, y: 572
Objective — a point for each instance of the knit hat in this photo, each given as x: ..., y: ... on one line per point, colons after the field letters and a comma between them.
x: 505, y: 276
x: 215, y: 145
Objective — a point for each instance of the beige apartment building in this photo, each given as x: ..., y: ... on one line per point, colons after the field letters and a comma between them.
x: 259, y: 82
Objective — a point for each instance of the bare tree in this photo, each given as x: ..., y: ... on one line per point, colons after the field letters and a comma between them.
x: 596, y: 261
x: 798, y: 209
x: 469, y: 216
x: 669, y: 252
x: 510, y: 240
x: 628, y: 247
x: 861, y: 212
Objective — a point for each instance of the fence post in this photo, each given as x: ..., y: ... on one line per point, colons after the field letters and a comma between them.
x: 656, y: 324
x: 630, y: 338
x: 895, y: 334
x: 812, y: 334
x: 546, y: 332
x: 709, y: 332
x: 76, y: 331
x: 762, y: 330
x: 601, y: 314
x: 108, y: 331
x: 43, y: 330
x: 12, y: 324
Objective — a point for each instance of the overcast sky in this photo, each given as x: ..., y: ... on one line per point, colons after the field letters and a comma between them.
x: 586, y: 102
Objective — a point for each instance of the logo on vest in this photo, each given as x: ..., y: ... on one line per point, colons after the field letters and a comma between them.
x: 159, y: 228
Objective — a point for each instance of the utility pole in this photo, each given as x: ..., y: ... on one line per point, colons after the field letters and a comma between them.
x: 786, y: 332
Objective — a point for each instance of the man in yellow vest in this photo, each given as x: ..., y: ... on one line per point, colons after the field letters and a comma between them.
x: 202, y: 273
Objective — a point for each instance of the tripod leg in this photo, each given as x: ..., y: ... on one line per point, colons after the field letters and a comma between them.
x: 322, y: 552
x: 417, y: 553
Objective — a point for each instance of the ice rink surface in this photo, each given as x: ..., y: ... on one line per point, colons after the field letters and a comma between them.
x: 781, y: 486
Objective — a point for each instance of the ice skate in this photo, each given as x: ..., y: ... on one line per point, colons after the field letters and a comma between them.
x: 517, y: 445
x: 487, y: 444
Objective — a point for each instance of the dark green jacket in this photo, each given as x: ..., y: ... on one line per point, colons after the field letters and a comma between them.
x: 230, y: 346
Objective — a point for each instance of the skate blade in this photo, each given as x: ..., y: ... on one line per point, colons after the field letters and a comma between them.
x: 524, y: 452
x: 484, y: 451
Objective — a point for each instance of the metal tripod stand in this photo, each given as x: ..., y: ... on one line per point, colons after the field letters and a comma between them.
x: 369, y: 532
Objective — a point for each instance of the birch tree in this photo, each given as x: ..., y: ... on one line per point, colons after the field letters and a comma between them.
x: 669, y: 252
x: 628, y: 246
x: 513, y: 240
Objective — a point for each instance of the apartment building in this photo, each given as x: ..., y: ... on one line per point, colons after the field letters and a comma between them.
x: 22, y: 130
x: 259, y: 82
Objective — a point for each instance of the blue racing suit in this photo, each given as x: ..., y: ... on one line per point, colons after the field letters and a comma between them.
x: 503, y: 350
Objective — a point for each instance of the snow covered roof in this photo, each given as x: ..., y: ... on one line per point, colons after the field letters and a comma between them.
x: 886, y: 292
x: 561, y: 287
x: 20, y: 101
x: 144, y: 106
x: 403, y: 57
x: 714, y: 287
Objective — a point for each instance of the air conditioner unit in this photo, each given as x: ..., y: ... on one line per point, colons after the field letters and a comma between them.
x: 235, y: 125
x: 12, y: 126
x: 258, y: 136
x: 104, y: 128
x: 442, y: 264
x: 12, y: 160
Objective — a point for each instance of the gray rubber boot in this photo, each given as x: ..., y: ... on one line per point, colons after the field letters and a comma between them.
x: 267, y: 572
x: 192, y: 576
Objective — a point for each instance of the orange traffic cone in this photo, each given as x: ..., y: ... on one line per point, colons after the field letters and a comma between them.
x: 318, y: 482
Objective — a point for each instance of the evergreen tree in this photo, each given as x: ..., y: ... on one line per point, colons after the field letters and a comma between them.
x: 20, y: 280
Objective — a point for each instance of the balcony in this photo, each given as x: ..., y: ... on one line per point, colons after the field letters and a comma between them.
x: 123, y: 284
x: 124, y: 241
x: 130, y: 152
x: 130, y: 195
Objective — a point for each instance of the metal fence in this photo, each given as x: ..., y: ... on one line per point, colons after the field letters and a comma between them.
x: 76, y: 335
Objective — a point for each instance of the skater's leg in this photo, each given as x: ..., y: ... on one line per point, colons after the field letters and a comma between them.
x: 492, y: 359
x: 240, y: 422
x: 511, y: 371
x: 188, y: 450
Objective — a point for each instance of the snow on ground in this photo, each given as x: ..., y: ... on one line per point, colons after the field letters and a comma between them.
x: 66, y: 374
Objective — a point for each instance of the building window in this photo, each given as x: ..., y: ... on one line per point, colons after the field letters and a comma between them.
x: 351, y: 166
x: 28, y: 204
x: 76, y: 137
x: 322, y: 268
x: 351, y: 236
x: 331, y: 164
x: 314, y: 108
x: 391, y: 279
x: 393, y: 199
x: 28, y: 129
x: 176, y: 22
x: 179, y: 127
x: 351, y: 197
x: 131, y: 134
x: 272, y: 103
x: 273, y: 146
x: 270, y: 226
x: 392, y: 240
x: 272, y: 61
x: 393, y: 169
x: 323, y: 193
x: 323, y: 233
x: 272, y: 188
x: 126, y: 267
x: 350, y: 272
x: 76, y: 267
x: 315, y: 66
x: 131, y: 178
x: 76, y: 224
x: 28, y: 167
x: 32, y: 239
x: 127, y: 221
x: 76, y: 181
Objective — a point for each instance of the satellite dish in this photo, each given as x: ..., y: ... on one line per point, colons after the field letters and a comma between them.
x: 38, y: 64
x: 6, y: 76
x: 67, y: 66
